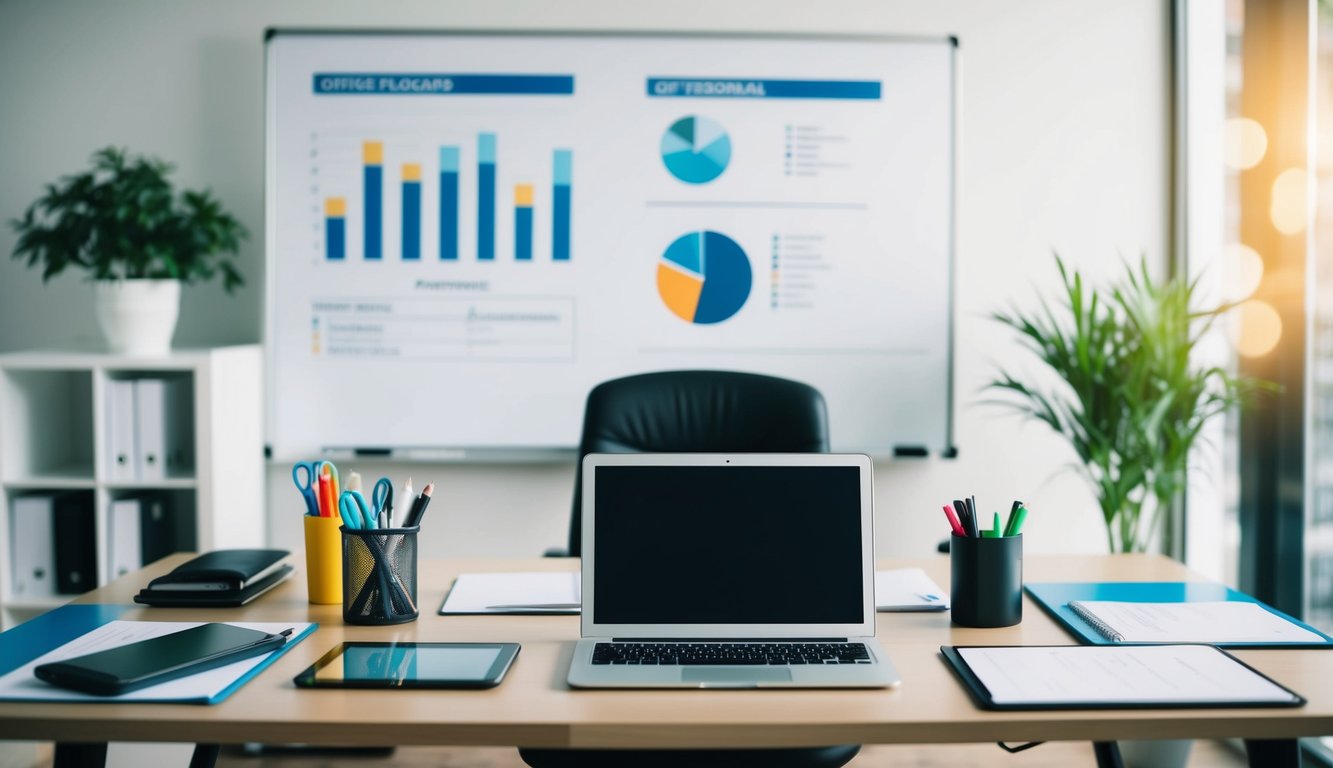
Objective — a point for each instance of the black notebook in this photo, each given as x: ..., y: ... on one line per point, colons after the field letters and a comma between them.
x: 218, y: 578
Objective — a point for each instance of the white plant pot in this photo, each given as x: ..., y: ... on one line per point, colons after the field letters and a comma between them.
x: 138, y: 317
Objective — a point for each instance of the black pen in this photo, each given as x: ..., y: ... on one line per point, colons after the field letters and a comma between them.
x: 419, y: 506
x: 963, y: 517
x: 976, y: 522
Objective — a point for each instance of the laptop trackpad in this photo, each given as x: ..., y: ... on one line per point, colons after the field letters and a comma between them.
x: 734, y: 675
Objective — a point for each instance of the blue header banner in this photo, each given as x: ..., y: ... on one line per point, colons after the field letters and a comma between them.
x: 441, y: 84
x: 743, y: 88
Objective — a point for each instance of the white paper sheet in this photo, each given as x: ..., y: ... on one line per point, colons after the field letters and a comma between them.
x: 1117, y: 674
x: 22, y: 685
x: 1202, y: 622
x: 528, y: 592
x: 908, y: 589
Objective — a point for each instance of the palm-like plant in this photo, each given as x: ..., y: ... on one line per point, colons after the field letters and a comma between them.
x: 1132, y: 404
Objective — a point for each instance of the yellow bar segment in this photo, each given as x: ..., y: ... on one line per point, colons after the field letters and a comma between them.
x: 523, y: 195
x: 372, y: 152
x: 411, y: 171
x: 335, y: 206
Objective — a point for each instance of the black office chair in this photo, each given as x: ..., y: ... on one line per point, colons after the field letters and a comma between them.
x: 697, y: 411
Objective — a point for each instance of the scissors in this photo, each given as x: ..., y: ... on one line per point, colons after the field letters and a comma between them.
x: 306, y: 474
x: 381, y: 500
x: 356, y: 513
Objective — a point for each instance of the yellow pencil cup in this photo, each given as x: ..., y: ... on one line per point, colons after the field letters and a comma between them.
x: 324, y: 560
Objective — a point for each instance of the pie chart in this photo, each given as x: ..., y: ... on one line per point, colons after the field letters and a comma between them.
x: 696, y: 150
x: 704, y: 277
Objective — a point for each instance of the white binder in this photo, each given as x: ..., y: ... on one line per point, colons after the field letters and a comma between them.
x: 125, y: 553
x: 122, y: 464
x: 33, y: 546
x: 150, y: 405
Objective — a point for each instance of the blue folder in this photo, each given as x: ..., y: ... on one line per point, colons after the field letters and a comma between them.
x: 1054, y: 598
x: 54, y: 628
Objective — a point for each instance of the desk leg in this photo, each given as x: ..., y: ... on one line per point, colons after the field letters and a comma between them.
x: 80, y: 755
x: 205, y: 755
x: 1264, y: 753
x: 1108, y: 754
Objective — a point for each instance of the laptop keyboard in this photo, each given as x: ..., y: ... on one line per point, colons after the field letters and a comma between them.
x: 730, y: 653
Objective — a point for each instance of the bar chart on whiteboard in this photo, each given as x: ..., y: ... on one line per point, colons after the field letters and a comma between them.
x: 468, y: 232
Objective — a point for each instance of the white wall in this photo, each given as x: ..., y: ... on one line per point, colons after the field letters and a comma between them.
x: 1063, y: 148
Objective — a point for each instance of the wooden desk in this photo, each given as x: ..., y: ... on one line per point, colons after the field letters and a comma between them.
x: 534, y: 706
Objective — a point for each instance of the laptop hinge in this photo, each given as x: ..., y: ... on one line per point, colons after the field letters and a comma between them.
x: 728, y: 639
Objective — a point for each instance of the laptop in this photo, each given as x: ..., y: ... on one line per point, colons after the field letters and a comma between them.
x: 728, y: 571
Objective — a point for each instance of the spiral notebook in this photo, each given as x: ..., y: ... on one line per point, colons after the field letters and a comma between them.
x: 1114, y: 613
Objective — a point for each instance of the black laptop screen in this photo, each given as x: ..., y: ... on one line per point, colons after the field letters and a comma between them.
x: 727, y: 545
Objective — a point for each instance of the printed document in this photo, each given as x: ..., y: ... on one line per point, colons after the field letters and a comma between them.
x: 1118, y: 674
x: 1228, y: 621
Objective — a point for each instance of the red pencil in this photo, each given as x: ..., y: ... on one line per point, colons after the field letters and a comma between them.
x: 953, y: 521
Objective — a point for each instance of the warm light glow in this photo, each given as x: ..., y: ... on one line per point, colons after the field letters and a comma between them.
x: 1255, y: 328
x: 1242, y: 269
x: 1245, y: 143
x: 1287, y: 209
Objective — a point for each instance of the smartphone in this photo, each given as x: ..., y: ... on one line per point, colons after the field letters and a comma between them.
x: 410, y: 665
x: 158, y: 659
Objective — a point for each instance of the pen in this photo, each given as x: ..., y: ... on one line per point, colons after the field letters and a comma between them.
x: 962, y: 517
x: 976, y: 516
x: 1016, y: 521
x: 996, y: 526
x: 419, y: 507
x: 953, y: 521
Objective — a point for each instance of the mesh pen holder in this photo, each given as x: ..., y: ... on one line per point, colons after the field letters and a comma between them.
x: 379, y: 575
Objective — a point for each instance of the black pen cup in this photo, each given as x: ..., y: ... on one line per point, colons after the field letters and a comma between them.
x: 379, y: 575
x: 987, y: 581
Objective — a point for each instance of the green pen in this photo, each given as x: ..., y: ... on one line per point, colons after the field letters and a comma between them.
x: 1016, y: 521
x: 999, y: 532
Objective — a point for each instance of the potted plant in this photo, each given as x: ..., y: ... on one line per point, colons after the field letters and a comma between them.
x: 1132, y: 401
x: 123, y: 222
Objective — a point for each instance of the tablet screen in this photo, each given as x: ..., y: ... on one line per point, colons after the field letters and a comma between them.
x: 391, y: 665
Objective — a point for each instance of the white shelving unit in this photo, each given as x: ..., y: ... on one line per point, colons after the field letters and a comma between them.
x: 54, y: 436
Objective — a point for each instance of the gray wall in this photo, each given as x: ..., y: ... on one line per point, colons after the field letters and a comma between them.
x: 1063, y: 148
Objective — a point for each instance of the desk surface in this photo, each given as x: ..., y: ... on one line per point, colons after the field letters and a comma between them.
x: 534, y: 707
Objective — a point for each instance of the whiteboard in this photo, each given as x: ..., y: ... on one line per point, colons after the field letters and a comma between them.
x: 467, y: 232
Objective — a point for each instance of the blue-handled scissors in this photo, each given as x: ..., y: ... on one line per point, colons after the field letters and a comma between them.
x: 381, y: 500
x: 306, y: 475
x: 356, y: 513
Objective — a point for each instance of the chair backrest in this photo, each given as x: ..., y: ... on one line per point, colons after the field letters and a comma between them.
x: 698, y: 411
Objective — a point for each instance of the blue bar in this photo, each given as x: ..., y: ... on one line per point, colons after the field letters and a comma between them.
x: 449, y: 203
x: 563, y: 175
x: 335, y: 238
x: 439, y: 84
x: 742, y: 88
x: 486, y: 197
x: 411, y: 221
x: 372, y: 207
x: 523, y: 233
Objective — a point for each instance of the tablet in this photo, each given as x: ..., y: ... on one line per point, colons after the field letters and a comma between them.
x: 410, y: 665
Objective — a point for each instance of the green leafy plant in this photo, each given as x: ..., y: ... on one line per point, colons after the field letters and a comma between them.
x: 1132, y: 404
x: 123, y: 219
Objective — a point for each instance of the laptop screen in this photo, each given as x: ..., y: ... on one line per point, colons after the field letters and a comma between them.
x: 728, y: 545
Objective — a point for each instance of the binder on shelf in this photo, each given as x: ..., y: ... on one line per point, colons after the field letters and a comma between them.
x: 157, y: 524
x: 125, y: 548
x: 32, y: 546
x: 122, y: 464
x: 1055, y: 599
x: 162, y: 418
x: 150, y: 428
x: 75, y: 532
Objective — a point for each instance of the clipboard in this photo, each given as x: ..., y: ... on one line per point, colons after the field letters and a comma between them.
x: 991, y: 686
